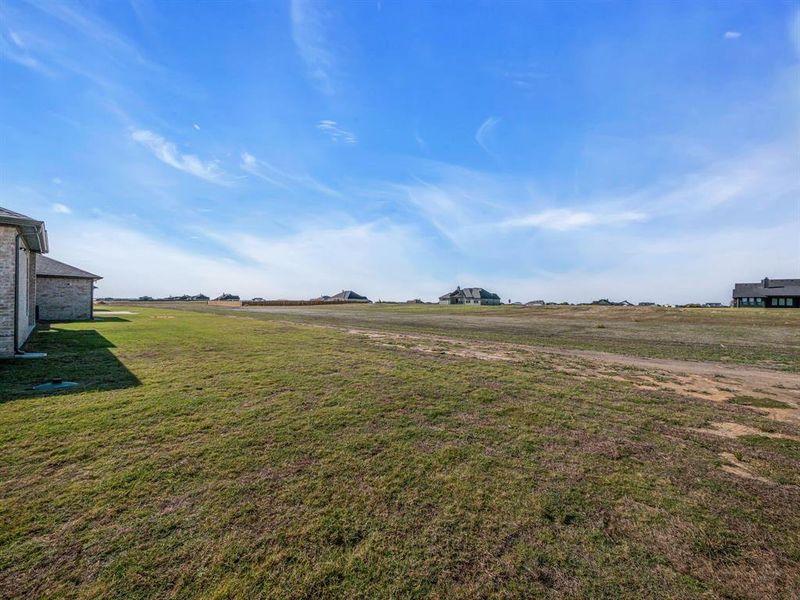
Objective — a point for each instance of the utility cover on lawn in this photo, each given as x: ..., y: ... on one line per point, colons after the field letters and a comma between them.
x: 54, y: 384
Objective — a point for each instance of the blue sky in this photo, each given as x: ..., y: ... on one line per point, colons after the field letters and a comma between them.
x: 565, y: 151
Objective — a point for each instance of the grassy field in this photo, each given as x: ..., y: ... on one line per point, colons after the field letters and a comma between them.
x: 768, y: 338
x: 405, y: 452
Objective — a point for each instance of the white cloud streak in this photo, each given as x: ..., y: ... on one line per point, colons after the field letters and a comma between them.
x: 336, y: 133
x: 564, y: 219
x: 167, y: 152
x: 732, y: 35
x: 281, y: 178
x: 310, y: 35
x: 484, y: 132
x: 61, y: 209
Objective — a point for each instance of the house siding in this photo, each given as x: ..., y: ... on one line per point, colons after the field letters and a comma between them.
x: 64, y: 298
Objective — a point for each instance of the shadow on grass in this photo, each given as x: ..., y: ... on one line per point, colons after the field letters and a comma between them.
x: 82, y: 356
x: 100, y: 317
x: 97, y: 317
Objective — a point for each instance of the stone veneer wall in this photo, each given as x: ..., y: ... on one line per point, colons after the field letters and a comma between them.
x: 8, y: 235
x: 64, y: 298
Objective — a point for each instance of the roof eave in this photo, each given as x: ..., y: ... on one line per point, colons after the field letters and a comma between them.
x: 92, y: 277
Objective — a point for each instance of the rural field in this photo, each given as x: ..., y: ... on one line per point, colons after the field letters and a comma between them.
x: 393, y: 451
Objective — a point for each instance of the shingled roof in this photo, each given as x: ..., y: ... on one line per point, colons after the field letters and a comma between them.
x: 473, y: 293
x: 47, y: 267
x: 348, y: 295
x: 767, y: 288
x: 32, y: 231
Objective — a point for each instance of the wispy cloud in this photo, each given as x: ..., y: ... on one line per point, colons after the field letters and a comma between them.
x: 732, y: 35
x: 167, y: 152
x: 485, y: 131
x: 525, y: 78
x: 14, y: 49
x: 310, y: 22
x: 196, y: 126
x: 794, y: 31
x: 336, y: 133
x: 281, y: 178
x: 61, y: 209
x: 470, y: 208
x: 58, y: 38
x: 94, y: 28
x: 565, y: 219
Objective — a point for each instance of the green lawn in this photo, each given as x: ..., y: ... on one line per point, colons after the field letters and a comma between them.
x: 235, y: 455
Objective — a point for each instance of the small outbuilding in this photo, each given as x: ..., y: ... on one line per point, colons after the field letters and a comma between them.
x: 63, y: 292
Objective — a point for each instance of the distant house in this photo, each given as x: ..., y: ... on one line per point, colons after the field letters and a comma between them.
x: 346, y: 296
x: 187, y: 298
x: 63, y: 292
x: 226, y: 297
x: 647, y: 303
x: 23, y: 241
x: 473, y: 295
x: 768, y: 293
x: 535, y: 303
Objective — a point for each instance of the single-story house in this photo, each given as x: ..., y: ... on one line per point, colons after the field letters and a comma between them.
x: 768, y: 293
x: 22, y: 241
x: 346, y: 296
x: 63, y: 292
x: 226, y: 297
x: 472, y: 295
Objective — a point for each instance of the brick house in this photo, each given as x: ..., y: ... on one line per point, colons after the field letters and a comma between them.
x: 345, y: 296
x: 22, y: 241
x: 473, y: 295
x: 63, y: 292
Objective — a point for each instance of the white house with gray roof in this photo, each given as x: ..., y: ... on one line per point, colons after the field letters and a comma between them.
x: 22, y: 241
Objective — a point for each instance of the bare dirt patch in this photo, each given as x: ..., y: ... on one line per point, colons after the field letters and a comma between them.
x: 736, y: 467
x: 735, y: 430
x: 711, y: 381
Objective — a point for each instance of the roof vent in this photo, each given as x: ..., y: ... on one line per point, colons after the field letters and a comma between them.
x: 765, y: 282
